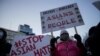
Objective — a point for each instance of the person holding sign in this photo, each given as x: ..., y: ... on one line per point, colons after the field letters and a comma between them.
x: 66, y: 47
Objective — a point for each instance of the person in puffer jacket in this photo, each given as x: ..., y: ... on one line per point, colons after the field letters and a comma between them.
x: 66, y: 46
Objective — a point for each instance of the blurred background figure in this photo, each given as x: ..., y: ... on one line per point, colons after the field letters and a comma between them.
x: 87, y: 42
x: 4, y: 45
x: 53, y: 43
x: 80, y: 45
x: 52, y: 46
x: 92, y: 43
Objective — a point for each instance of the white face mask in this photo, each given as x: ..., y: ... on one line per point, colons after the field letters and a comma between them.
x: 1, y: 34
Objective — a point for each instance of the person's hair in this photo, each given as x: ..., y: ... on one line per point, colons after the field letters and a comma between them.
x: 92, y: 30
x: 4, y: 35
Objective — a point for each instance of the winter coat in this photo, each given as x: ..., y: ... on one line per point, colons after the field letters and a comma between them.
x: 67, y: 48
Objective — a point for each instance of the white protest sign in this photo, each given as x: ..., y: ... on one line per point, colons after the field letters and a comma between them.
x: 61, y: 18
x: 31, y: 46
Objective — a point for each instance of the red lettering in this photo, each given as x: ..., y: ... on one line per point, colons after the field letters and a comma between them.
x: 23, y: 47
x: 41, y: 37
x: 53, y: 16
x: 57, y: 16
x: 70, y: 13
x: 44, y: 48
x: 13, y: 53
x: 19, y: 51
x: 28, y: 49
x: 18, y: 44
x: 37, y: 53
x: 35, y: 39
x: 42, y: 52
x: 32, y: 47
x: 23, y: 50
x: 48, y: 48
x: 24, y: 42
x: 60, y: 15
x: 29, y: 39
x: 65, y: 14
x: 61, y: 23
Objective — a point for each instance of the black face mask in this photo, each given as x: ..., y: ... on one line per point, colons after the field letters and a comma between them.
x: 64, y: 37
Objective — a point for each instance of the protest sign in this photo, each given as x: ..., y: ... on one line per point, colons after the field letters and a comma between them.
x: 61, y: 18
x: 31, y: 46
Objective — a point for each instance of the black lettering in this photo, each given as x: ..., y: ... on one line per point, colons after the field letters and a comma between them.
x: 73, y: 20
x: 49, y: 18
x: 49, y: 25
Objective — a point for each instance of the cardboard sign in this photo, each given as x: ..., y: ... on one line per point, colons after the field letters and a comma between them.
x: 31, y: 46
x: 61, y: 18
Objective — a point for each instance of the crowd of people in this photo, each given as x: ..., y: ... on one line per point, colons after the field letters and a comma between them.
x: 64, y: 46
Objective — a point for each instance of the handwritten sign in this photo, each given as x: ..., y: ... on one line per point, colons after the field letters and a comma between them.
x: 31, y: 46
x: 61, y: 18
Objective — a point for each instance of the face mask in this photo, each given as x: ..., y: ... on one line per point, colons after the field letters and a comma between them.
x: 64, y: 37
x: 1, y: 34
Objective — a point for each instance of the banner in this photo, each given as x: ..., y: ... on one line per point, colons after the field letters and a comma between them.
x: 31, y: 46
x: 61, y: 18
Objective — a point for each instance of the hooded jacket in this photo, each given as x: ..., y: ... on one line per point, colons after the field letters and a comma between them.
x: 67, y: 48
